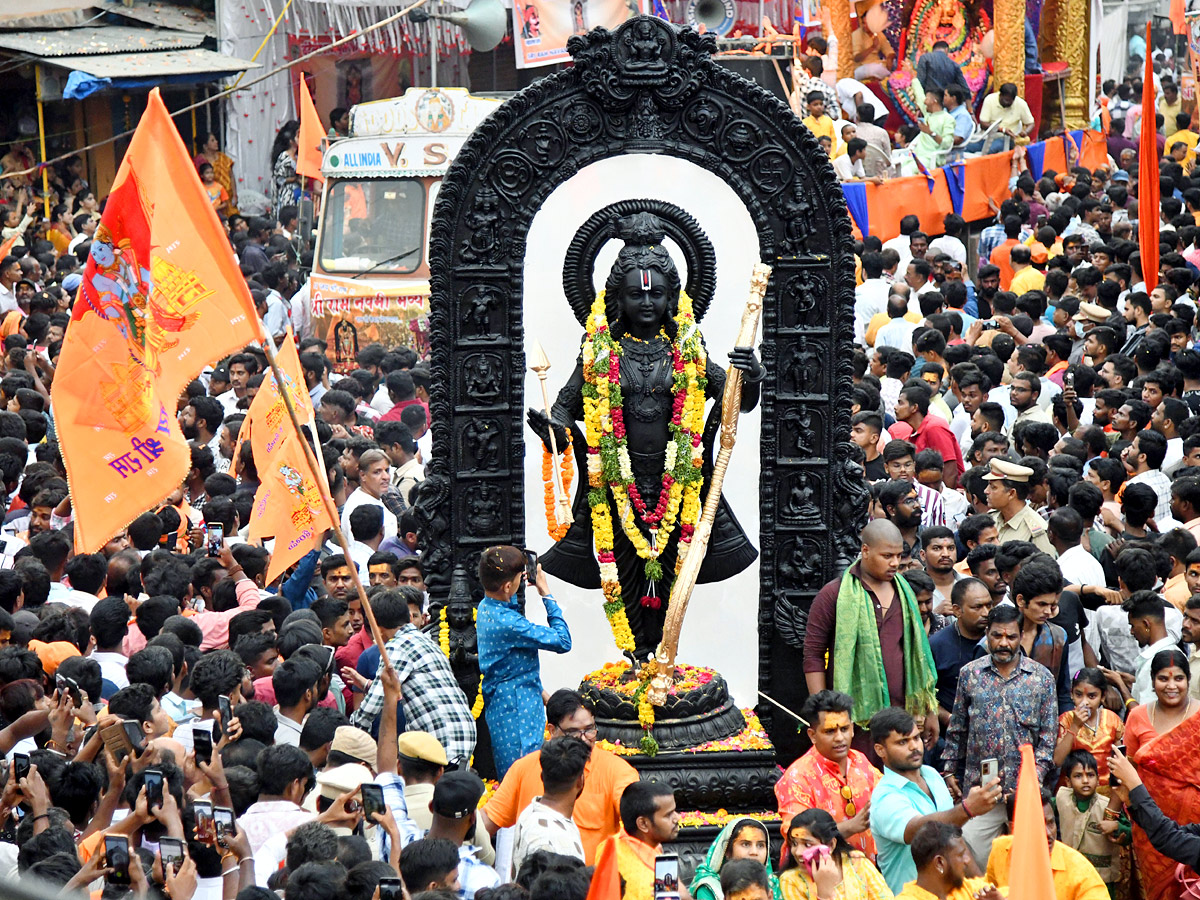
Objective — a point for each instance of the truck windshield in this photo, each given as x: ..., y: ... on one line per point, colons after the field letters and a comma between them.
x: 375, y: 224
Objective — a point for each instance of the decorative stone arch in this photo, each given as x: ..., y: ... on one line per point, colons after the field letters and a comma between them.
x: 649, y: 88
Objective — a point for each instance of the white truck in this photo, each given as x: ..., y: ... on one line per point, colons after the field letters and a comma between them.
x: 371, y: 261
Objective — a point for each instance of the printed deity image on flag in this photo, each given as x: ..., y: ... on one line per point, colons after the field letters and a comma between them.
x: 146, y: 299
x: 162, y: 296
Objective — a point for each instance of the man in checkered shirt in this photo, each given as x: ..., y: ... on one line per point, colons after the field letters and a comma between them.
x: 432, y: 699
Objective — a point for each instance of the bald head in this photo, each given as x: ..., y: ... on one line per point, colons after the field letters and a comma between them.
x: 881, y: 531
x: 882, y: 547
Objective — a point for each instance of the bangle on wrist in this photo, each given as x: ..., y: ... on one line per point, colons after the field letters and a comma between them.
x: 963, y: 804
x: 40, y: 816
x: 1130, y: 702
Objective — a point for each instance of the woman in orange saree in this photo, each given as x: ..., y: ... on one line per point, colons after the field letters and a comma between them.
x: 1162, y: 739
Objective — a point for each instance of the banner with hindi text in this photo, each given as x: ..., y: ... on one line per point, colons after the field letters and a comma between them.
x: 287, y: 505
x: 162, y: 296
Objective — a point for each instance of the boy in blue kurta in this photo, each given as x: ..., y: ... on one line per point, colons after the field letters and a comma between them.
x: 508, y: 655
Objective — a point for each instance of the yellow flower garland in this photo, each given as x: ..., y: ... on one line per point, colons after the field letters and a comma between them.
x: 605, y: 447
x: 444, y: 644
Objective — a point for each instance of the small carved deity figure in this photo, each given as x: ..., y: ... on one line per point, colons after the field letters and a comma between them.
x: 797, y: 209
x: 484, y: 221
x: 481, y: 438
x: 803, y: 565
x: 800, y: 423
x: 801, y: 503
x: 479, y: 313
x: 803, y: 368
x: 645, y: 43
x: 482, y: 379
x: 483, y: 508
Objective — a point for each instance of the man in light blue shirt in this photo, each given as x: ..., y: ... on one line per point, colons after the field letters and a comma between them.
x: 956, y: 105
x: 910, y: 794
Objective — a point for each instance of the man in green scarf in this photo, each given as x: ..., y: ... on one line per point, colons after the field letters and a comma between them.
x: 865, y: 637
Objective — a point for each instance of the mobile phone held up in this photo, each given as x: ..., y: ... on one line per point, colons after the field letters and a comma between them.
x: 206, y: 828
x: 372, y: 800
x: 203, y: 742
x: 223, y: 822
x: 154, y: 788
x: 215, y: 537
x: 116, y: 857
x: 989, y: 771
x: 171, y: 852
x: 666, y: 877
x: 531, y: 566
x: 390, y: 889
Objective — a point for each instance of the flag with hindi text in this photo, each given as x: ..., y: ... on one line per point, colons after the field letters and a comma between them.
x: 287, y: 504
x: 162, y: 296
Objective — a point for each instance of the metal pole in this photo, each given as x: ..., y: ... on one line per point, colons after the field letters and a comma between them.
x: 42, y: 144
x: 433, y: 53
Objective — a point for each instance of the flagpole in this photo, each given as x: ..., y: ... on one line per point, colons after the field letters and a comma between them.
x: 323, y: 487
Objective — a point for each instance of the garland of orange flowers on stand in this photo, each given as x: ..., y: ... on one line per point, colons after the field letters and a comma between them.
x: 444, y: 644
x: 566, y: 468
x: 609, y: 468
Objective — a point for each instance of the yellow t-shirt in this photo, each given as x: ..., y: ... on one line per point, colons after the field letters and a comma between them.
x: 1028, y: 279
x: 880, y: 319
x: 822, y: 127
x: 1074, y: 877
x: 967, y: 891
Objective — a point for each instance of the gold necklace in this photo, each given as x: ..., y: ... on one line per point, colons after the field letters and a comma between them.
x: 661, y: 336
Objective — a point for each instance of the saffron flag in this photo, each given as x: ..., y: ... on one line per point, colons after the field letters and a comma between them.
x: 1148, y: 211
x: 162, y: 296
x: 606, y: 878
x: 288, y: 504
x: 6, y: 247
x: 308, y: 158
x: 1030, y: 876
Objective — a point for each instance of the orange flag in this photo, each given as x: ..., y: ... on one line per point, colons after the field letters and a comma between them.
x: 287, y: 504
x: 606, y: 878
x: 1148, y: 211
x: 308, y: 162
x: 1029, y: 874
x: 1178, y: 16
x: 162, y: 296
x: 6, y: 247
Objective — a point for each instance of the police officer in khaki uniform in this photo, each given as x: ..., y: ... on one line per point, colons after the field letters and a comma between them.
x: 1006, y: 492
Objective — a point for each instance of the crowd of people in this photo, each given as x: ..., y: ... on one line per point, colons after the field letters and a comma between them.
x: 1026, y: 410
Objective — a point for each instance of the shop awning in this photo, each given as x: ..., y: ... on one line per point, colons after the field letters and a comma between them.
x: 90, y: 74
x: 104, y: 39
x: 163, y: 15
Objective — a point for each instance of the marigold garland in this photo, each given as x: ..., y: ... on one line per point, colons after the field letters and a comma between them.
x: 566, y: 468
x: 444, y: 644
x: 609, y: 468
